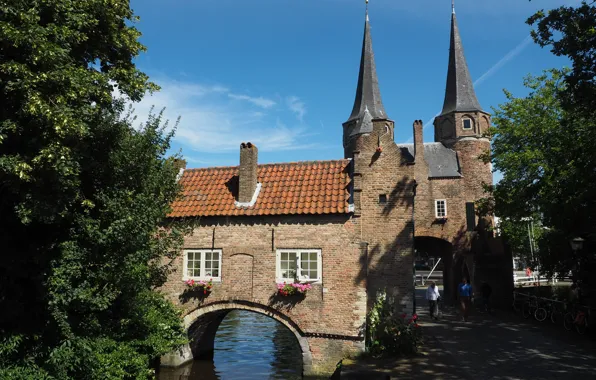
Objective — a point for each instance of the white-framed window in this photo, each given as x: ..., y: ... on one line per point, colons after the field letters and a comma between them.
x: 440, y: 208
x: 467, y: 123
x: 202, y: 264
x: 303, y: 265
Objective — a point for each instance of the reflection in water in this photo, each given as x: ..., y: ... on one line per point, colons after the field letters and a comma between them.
x: 247, y: 346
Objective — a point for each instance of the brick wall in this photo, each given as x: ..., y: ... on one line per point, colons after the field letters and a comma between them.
x: 248, y: 270
x: 383, y: 199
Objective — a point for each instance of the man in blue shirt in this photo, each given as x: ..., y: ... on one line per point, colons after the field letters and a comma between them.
x: 465, y: 294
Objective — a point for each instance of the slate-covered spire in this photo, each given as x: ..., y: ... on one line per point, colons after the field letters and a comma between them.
x: 368, y: 97
x: 459, y: 94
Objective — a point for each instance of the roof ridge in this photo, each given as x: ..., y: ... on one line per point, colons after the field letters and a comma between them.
x: 274, y: 163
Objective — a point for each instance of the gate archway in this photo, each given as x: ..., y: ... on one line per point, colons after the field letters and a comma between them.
x: 432, y: 247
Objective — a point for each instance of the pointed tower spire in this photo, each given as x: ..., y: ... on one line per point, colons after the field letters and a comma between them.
x: 459, y: 94
x: 368, y: 97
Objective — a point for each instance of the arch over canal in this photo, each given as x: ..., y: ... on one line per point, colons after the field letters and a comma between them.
x: 202, y: 324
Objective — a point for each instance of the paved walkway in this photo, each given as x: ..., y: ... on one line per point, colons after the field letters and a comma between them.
x: 500, y: 347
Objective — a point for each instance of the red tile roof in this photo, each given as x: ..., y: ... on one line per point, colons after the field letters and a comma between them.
x: 314, y: 187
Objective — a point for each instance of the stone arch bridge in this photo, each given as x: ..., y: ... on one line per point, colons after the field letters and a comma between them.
x: 203, y: 322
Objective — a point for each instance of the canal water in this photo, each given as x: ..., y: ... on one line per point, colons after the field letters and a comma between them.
x: 247, y: 346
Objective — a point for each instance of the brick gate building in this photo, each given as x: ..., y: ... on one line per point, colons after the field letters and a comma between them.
x: 347, y: 226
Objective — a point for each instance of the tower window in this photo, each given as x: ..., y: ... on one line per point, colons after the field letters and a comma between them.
x: 440, y: 208
x: 467, y: 123
x: 382, y: 199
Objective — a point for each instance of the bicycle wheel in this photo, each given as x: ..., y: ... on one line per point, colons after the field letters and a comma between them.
x: 568, y: 321
x: 555, y: 317
x: 540, y: 314
x: 581, y: 328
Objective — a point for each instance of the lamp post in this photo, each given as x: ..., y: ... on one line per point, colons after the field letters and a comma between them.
x: 577, y: 244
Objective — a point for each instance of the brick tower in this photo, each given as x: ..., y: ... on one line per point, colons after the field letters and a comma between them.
x: 463, y: 124
x: 382, y: 189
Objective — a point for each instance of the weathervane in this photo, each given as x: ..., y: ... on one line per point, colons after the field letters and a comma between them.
x: 452, y: 5
x: 366, y: 10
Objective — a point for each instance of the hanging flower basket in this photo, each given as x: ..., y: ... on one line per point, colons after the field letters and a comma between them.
x: 200, y: 286
x: 295, y: 288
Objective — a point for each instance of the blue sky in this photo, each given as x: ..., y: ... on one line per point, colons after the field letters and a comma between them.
x: 282, y: 74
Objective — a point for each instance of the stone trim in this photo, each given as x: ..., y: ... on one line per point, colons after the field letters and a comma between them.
x: 334, y: 337
x: 301, y: 337
x: 252, y: 201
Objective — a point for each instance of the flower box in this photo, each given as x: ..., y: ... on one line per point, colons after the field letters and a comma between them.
x: 291, y: 289
x: 199, y: 286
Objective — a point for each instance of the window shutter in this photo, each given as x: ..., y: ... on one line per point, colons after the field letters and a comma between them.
x: 470, y: 216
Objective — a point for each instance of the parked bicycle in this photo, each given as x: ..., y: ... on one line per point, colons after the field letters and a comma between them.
x: 541, y: 312
x: 530, y: 307
x: 557, y: 312
x: 579, y: 318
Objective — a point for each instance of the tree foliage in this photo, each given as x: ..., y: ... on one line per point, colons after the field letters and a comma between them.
x: 547, y: 159
x: 571, y: 32
x: 83, y: 197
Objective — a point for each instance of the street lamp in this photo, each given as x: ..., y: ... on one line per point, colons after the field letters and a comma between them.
x: 577, y: 243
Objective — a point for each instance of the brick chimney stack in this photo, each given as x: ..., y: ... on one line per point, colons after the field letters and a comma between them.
x: 248, y: 172
x: 418, y: 141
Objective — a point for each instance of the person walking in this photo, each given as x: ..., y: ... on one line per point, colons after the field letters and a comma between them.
x: 465, y: 295
x: 432, y: 295
x: 486, y: 292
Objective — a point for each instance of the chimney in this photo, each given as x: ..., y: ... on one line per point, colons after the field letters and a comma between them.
x: 248, y: 172
x: 418, y: 140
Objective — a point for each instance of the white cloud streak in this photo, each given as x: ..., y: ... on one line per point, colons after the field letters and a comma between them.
x: 257, y: 101
x: 212, y: 123
x: 296, y: 106
x: 490, y: 72
x: 506, y: 58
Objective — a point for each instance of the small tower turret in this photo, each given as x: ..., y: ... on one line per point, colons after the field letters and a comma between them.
x: 462, y: 116
x: 368, y: 109
x: 463, y: 124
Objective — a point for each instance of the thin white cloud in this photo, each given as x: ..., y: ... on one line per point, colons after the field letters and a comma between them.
x: 506, y: 58
x: 257, y: 101
x: 296, y: 106
x: 212, y: 123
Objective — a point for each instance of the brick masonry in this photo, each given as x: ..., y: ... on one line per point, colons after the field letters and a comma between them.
x: 335, y: 307
x: 363, y: 252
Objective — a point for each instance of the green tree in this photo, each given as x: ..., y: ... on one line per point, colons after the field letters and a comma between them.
x: 83, y: 197
x: 571, y: 32
x: 547, y: 159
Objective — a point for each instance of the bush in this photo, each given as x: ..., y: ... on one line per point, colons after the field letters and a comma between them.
x: 390, y: 332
